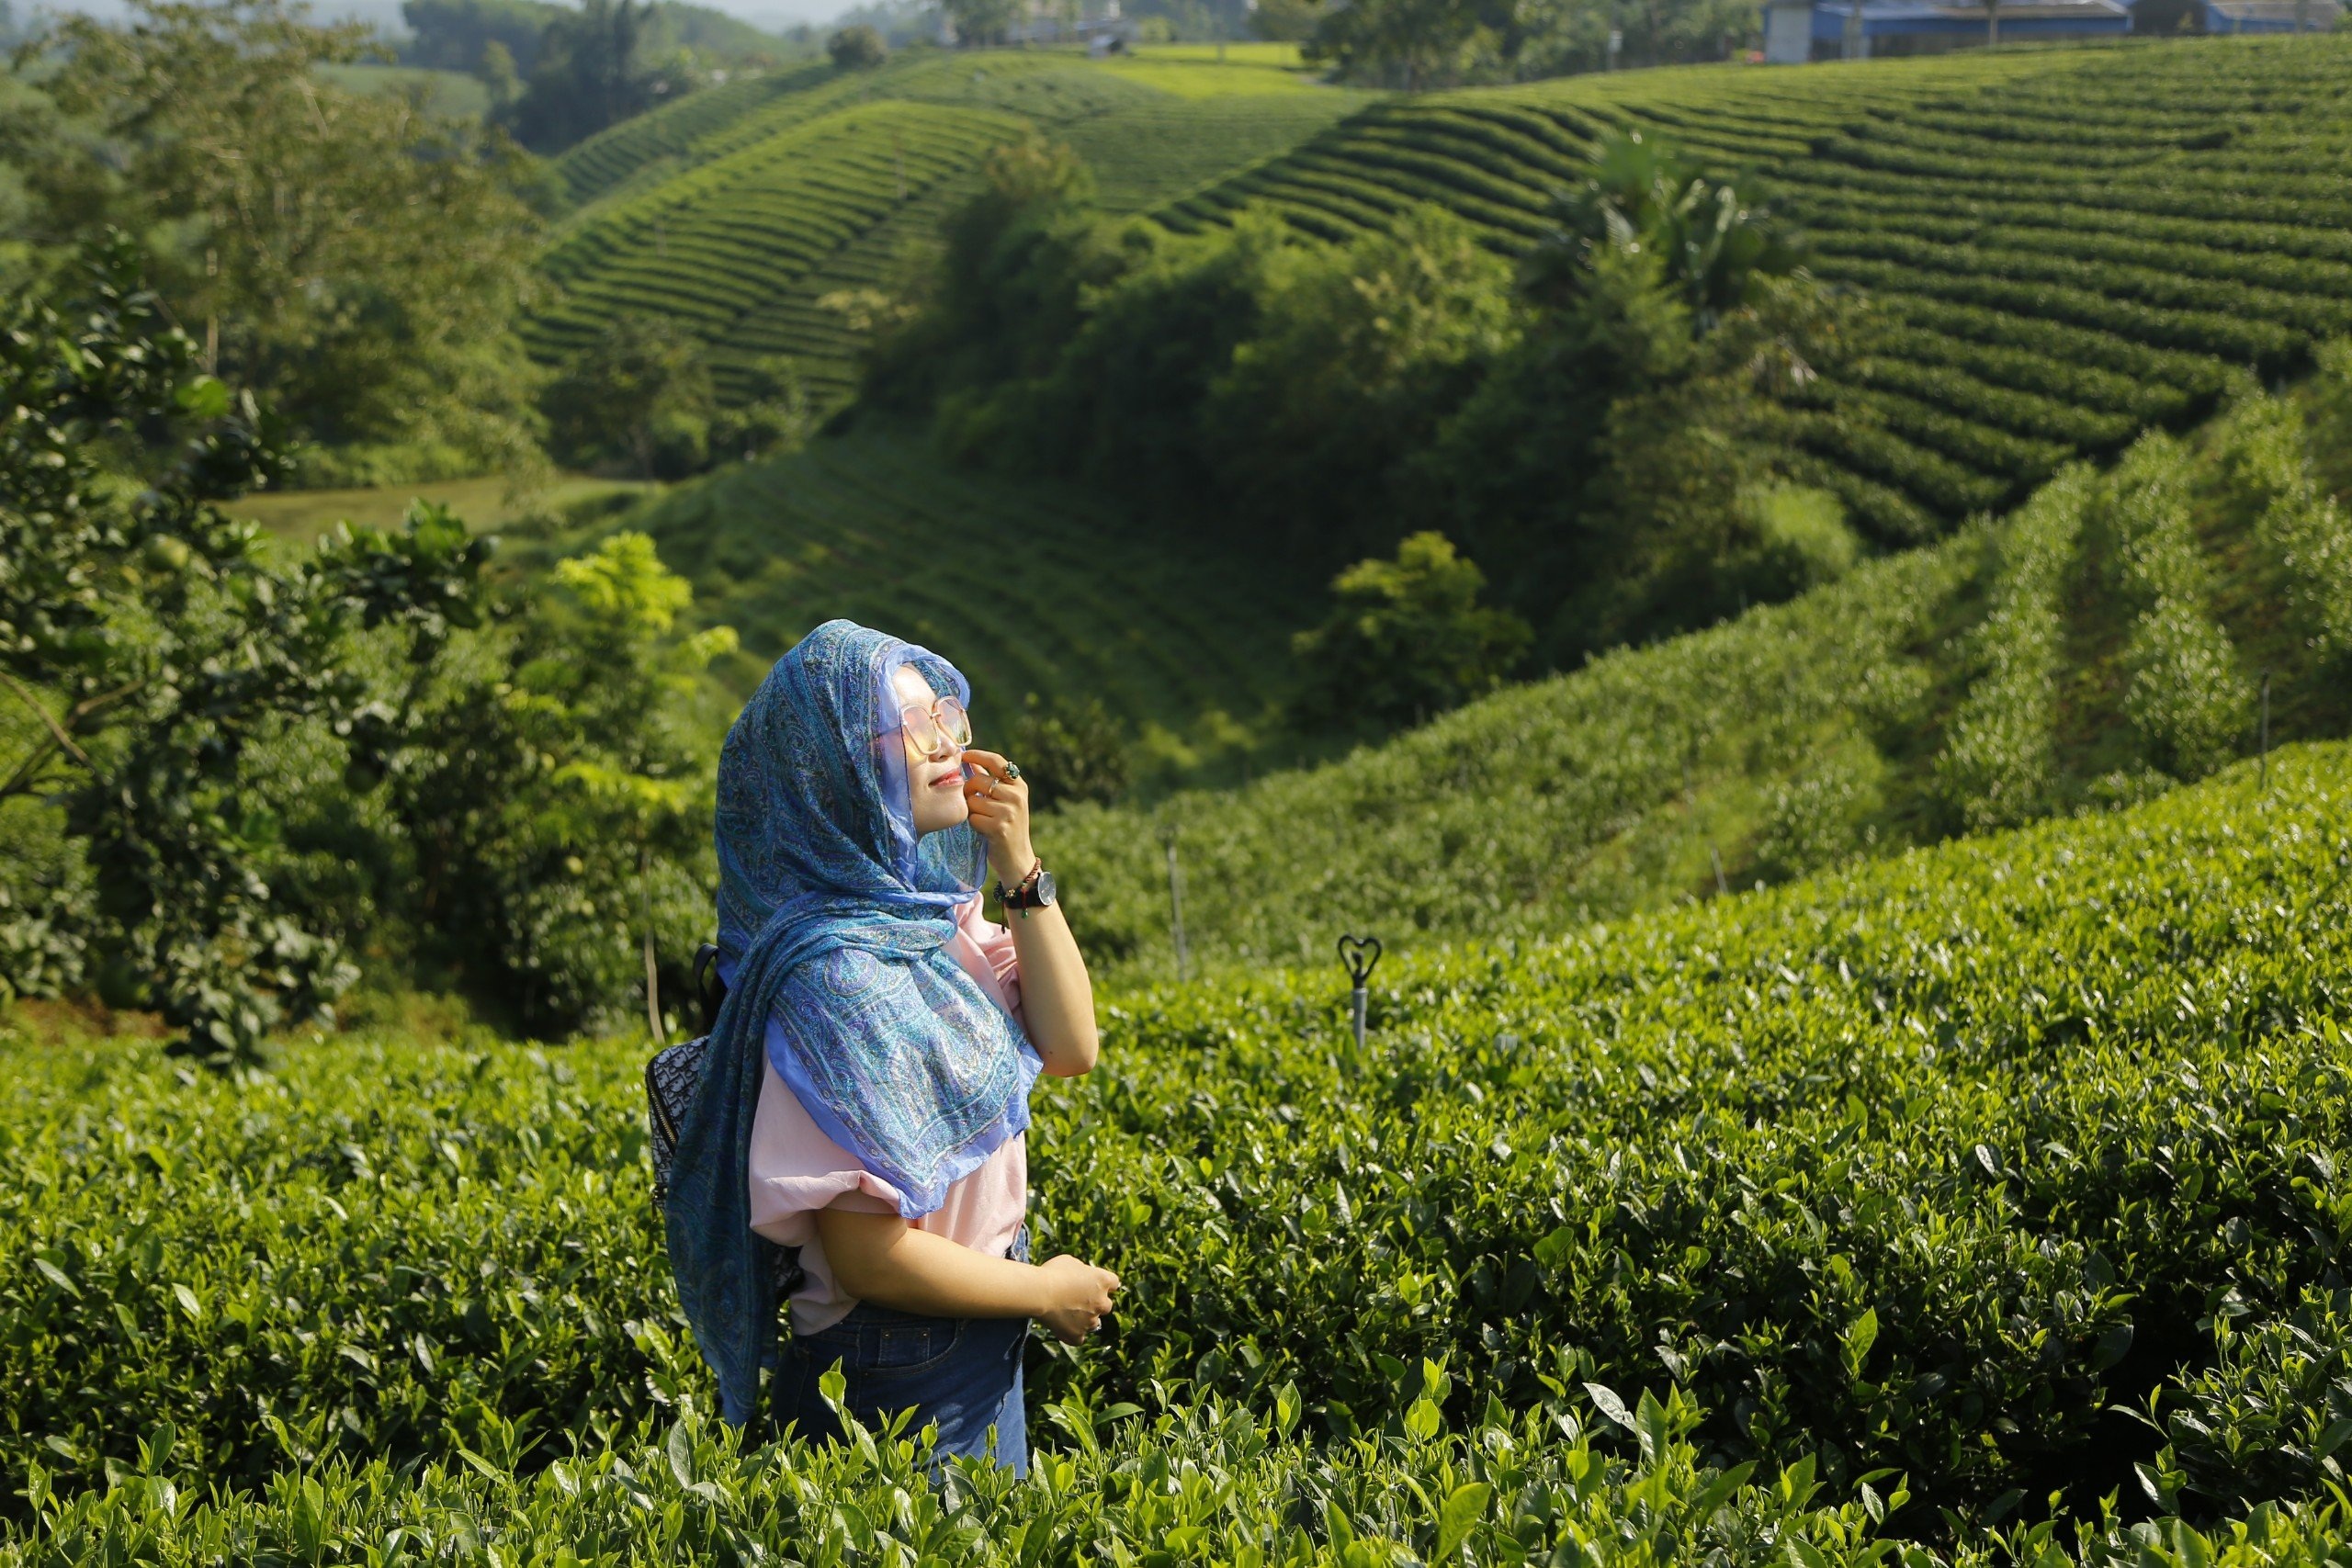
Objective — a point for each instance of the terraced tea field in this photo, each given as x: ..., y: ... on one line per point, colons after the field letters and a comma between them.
x: 750, y: 212
x: 2065, y: 247
x: 2122, y: 631
x: 1833, y: 1226
x: 1027, y: 589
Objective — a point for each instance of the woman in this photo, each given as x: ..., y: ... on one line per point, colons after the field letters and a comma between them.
x: 867, y: 1087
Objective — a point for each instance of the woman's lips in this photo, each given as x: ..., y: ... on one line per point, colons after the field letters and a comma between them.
x: 952, y: 778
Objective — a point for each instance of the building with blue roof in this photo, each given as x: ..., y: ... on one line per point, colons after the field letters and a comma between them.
x: 1798, y: 30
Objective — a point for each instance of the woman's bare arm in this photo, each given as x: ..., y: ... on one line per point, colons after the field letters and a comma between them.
x: 1056, y: 996
x: 883, y: 1260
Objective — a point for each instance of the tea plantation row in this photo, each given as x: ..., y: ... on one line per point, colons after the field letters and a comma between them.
x: 2065, y: 246
x: 1929, y: 1167
x: 765, y: 215
x: 2112, y: 637
x: 1185, y: 646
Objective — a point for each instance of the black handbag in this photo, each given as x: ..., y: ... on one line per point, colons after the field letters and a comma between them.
x: 673, y: 1077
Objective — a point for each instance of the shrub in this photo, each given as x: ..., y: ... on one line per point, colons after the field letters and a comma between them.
x: 1407, y: 639
x: 1998, y: 767
x: 2186, y: 697
x: 858, y: 47
x: 1070, y: 751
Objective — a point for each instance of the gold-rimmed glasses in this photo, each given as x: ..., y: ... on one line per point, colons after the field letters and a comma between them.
x: 938, y: 729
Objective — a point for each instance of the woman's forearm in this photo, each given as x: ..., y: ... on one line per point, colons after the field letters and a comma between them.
x: 881, y: 1259
x: 1056, y: 996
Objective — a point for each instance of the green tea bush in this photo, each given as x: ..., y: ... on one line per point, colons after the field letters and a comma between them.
x: 2119, y: 262
x: 1921, y: 1165
x: 1998, y: 767
x: 2267, y: 457
x: 1589, y: 1481
x: 2271, y: 1416
x: 2187, y: 698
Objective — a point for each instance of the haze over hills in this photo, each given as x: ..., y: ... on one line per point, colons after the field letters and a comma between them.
x: 384, y: 16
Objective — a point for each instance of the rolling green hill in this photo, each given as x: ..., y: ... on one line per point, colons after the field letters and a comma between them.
x: 757, y: 212
x: 2121, y: 632
x: 1026, y: 588
x: 2064, y: 246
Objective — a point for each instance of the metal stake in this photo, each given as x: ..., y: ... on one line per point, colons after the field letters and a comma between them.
x: 1359, y: 953
x: 2262, y: 768
x: 1176, y: 908
x: 1717, y: 862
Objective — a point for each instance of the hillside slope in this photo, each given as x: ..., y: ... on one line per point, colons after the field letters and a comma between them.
x: 1027, y: 588
x: 758, y: 212
x: 2066, y: 247
x: 2119, y: 632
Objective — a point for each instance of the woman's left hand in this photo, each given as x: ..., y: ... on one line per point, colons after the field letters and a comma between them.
x: 999, y: 809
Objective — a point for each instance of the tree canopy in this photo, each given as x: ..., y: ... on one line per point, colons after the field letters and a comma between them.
x: 348, y: 255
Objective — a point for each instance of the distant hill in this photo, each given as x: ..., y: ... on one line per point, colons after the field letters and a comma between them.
x: 1028, y: 588
x: 743, y: 209
x: 2119, y: 632
x: 2065, y: 246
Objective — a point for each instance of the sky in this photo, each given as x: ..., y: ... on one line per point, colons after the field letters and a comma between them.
x: 769, y: 14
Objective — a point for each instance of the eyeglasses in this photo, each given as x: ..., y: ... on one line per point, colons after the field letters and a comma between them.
x: 940, y: 727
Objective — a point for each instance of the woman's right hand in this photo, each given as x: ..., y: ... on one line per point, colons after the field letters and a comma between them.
x: 1077, y: 1297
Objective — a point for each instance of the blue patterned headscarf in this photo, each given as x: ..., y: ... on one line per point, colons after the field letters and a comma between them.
x: 833, y: 923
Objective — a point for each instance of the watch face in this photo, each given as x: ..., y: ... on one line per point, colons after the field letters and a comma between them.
x: 1045, y: 889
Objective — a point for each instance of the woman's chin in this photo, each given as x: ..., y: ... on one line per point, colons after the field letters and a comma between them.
x: 953, y: 816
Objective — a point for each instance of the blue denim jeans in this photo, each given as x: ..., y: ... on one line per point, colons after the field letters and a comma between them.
x: 962, y: 1373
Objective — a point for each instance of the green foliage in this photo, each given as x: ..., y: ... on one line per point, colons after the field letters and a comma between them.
x: 641, y: 394
x: 1310, y: 404
x: 981, y: 21
x: 857, y: 48
x: 796, y: 212
x: 1921, y: 1165
x: 1410, y: 43
x: 164, y: 654
x: 641, y: 398
x: 2270, y: 1416
x: 1715, y: 243
x: 592, y: 73
x: 2057, y: 262
x: 2273, y: 464
x: 1186, y: 647
x: 1072, y: 751
x: 353, y: 259
x: 745, y: 253
x: 1999, y: 765
x: 1211, y: 1477
x: 452, y: 35
x: 2187, y: 698
x: 1407, y: 639
x: 2027, y: 668
x: 544, y: 839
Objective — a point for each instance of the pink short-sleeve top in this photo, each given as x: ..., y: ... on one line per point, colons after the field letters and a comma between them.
x: 796, y: 1169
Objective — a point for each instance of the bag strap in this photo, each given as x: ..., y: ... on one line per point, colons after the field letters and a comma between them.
x: 709, y: 989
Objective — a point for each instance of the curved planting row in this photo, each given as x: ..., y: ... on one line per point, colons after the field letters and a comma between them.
x: 725, y: 245
x: 2159, y: 214
x: 881, y: 531
x: 763, y: 215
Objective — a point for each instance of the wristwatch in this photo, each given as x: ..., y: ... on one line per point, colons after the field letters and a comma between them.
x: 1033, y: 891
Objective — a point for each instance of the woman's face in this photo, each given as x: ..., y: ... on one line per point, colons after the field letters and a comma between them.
x: 935, y: 778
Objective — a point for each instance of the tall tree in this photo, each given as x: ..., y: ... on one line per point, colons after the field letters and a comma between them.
x: 591, y: 75
x: 359, y: 260
x: 160, y: 645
